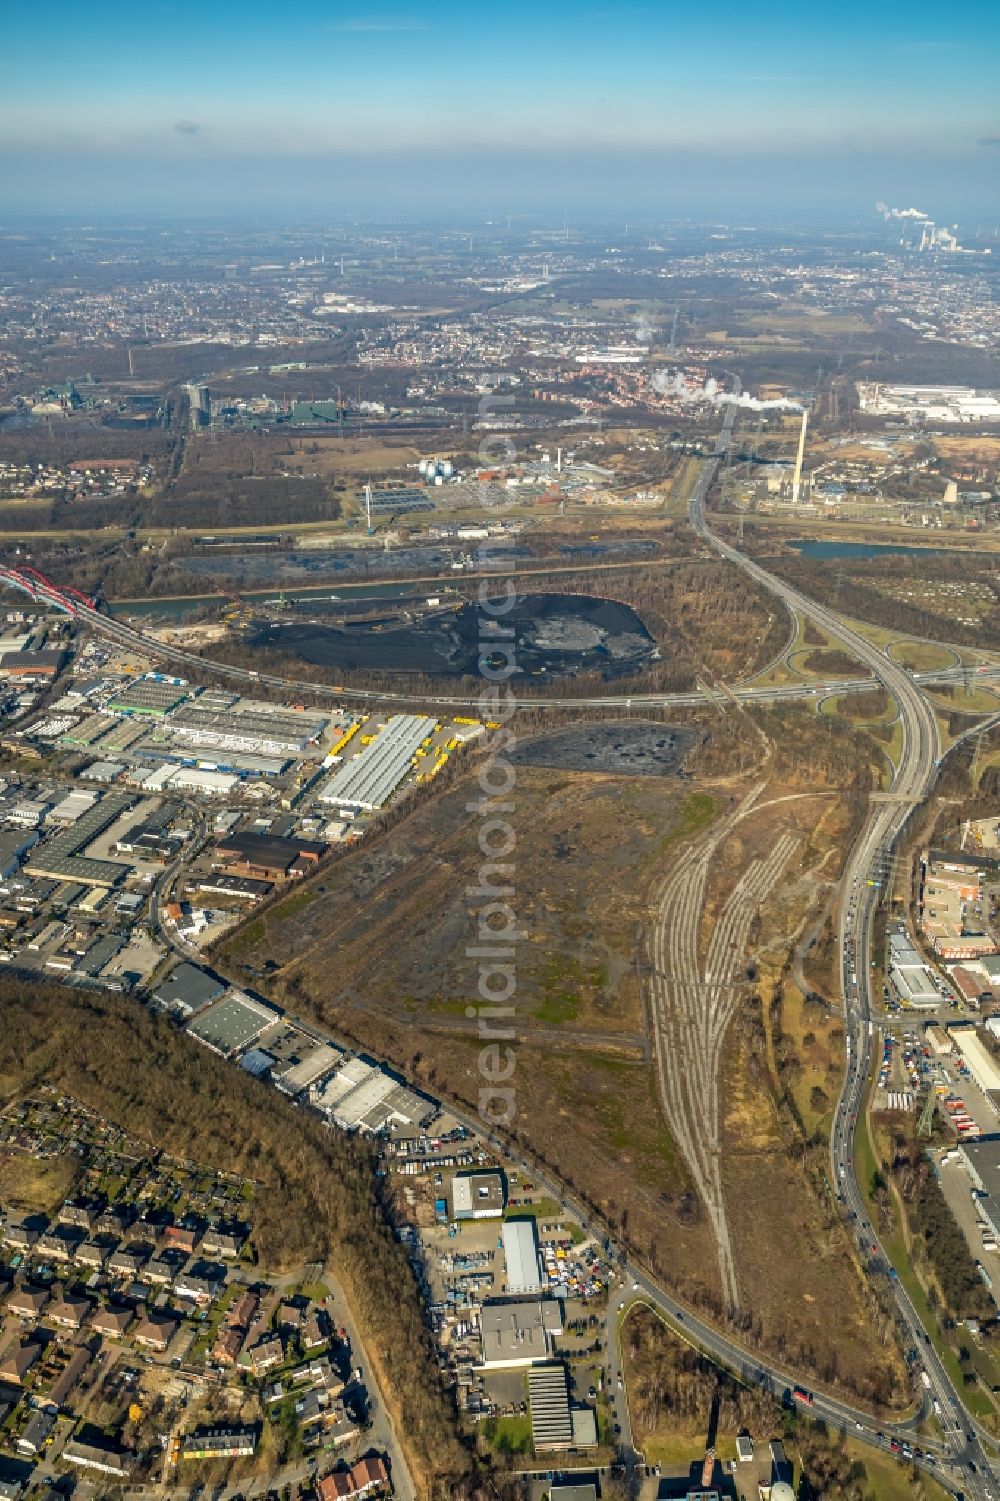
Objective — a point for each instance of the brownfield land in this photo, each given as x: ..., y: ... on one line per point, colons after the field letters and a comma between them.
x: 306, y: 454
x: 381, y: 960
x: 37, y: 1183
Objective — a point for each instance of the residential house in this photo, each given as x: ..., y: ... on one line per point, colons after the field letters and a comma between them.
x: 223, y: 1243
x: 125, y: 1263
x: 266, y: 1354
x: 55, y: 1248
x: 74, y: 1213
x: 112, y: 1322
x: 242, y: 1310
x: 337, y: 1484
x: 316, y: 1330
x: 90, y: 1254
x: 18, y: 1362
x: 27, y: 1302
x: 181, y: 1238
x: 369, y: 1474
x: 160, y: 1272
x: 112, y: 1222
x: 155, y: 1334
x: 220, y: 1443
x: 227, y: 1346
x: 18, y: 1237
x: 91, y: 1457
x: 70, y: 1313
x: 36, y: 1431
x: 338, y: 1427
x: 194, y: 1289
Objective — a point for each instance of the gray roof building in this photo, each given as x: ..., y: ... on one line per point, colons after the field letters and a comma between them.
x: 187, y: 989
x: 548, y: 1404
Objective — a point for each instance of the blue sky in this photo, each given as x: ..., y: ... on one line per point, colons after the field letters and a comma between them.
x: 219, y: 104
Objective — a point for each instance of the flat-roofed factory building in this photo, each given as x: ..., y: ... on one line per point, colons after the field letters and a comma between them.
x: 232, y: 1023
x: 247, y: 726
x: 60, y: 859
x: 518, y: 1332
x: 477, y: 1196
x: 362, y: 1097
x: 268, y: 856
x: 187, y: 989
x: 979, y: 1060
x: 367, y: 781
x: 152, y: 696
x: 981, y: 1160
x: 520, y: 1249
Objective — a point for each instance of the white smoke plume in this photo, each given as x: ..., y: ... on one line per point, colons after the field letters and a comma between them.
x: 712, y: 394
x: 900, y: 213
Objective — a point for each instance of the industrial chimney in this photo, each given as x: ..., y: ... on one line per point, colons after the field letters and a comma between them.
x: 797, y: 481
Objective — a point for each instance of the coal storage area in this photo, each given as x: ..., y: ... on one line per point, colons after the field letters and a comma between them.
x: 555, y: 636
x: 632, y: 749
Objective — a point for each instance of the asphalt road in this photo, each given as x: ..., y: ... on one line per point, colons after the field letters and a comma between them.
x: 963, y: 1467
x: 914, y: 778
x: 127, y: 636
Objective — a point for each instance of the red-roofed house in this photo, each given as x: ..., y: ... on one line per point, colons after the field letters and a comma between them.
x: 337, y: 1484
x: 368, y: 1474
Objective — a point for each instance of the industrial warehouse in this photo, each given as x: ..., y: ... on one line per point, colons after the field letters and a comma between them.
x: 60, y: 859
x: 366, y: 782
x: 176, y: 808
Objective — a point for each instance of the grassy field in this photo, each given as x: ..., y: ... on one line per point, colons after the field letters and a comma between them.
x: 817, y: 663
x: 975, y: 701
x: 891, y: 1480
x: 814, y: 1037
x: 922, y: 656
x: 31, y: 1183
x: 853, y: 706
x: 684, y: 483
x: 510, y: 1435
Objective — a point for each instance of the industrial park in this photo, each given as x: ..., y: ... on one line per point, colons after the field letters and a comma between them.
x: 500, y: 858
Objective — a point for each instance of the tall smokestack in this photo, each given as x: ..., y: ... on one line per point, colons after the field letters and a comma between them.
x: 797, y: 481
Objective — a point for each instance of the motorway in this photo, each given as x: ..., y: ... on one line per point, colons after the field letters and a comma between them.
x: 913, y: 780
x: 127, y: 636
x: 963, y: 1468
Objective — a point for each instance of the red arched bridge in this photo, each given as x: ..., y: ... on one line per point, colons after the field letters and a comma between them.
x: 39, y: 587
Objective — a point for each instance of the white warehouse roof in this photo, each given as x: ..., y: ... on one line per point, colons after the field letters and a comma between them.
x: 197, y: 779
x: 520, y: 1250
x: 368, y: 779
x: 981, y: 1062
